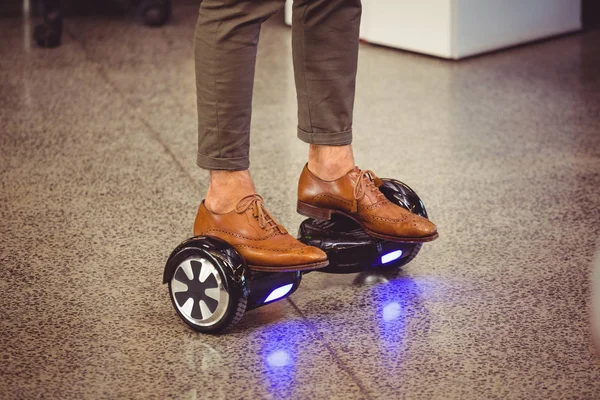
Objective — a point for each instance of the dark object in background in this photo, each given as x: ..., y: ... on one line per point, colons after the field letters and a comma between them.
x: 590, y: 13
x: 154, y: 12
x: 48, y: 34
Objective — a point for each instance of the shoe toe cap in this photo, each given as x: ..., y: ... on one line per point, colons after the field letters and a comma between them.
x: 304, y: 254
x: 310, y: 254
x: 280, y: 257
x: 422, y: 227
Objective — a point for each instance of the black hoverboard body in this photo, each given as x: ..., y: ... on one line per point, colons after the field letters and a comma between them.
x: 211, y: 286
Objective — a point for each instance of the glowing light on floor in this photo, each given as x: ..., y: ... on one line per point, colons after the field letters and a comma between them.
x: 279, y: 292
x: 391, y: 311
x: 279, y: 358
x: 394, y: 255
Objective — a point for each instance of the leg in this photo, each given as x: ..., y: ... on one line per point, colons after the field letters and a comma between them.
x: 226, y: 188
x: 325, y: 37
x: 325, y: 43
x: 226, y: 40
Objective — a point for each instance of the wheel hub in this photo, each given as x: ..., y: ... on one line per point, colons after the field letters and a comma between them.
x: 198, y: 292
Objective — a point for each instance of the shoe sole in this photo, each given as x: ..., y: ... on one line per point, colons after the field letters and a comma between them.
x: 326, y: 214
x: 289, y: 268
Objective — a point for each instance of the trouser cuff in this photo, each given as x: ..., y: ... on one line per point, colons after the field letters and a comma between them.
x: 229, y: 164
x: 326, y: 138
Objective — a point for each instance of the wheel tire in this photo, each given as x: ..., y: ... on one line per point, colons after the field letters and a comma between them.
x: 205, y: 313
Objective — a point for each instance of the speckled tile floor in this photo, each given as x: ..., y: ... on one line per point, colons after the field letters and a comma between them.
x: 98, y: 183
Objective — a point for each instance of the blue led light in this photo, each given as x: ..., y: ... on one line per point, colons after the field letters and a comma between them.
x: 394, y: 255
x: 279, y: 358
x: 392, y: 311
x: 279, y: 292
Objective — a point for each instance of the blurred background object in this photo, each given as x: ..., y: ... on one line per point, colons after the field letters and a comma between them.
x: 49, y: 32
x: 590, y: 13
x: 437, y: 27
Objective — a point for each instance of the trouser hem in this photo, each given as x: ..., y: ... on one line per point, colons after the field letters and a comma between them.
x: 326, y: 138
x: 229, y: 164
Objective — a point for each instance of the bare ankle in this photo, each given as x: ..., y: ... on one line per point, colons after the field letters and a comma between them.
x: 226, y: 188
x: 330, y: 162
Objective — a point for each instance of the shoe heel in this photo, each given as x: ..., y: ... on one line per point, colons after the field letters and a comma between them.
x: 313, y: 212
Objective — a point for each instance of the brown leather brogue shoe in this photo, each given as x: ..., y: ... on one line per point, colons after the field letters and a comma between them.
x: 356, y: 195
x: 264, y: 244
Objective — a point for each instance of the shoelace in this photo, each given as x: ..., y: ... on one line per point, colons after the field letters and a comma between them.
x: 265, y: 220
x: 367, y: 180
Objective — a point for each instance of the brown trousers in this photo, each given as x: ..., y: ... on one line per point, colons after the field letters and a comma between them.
x: 325, y: 51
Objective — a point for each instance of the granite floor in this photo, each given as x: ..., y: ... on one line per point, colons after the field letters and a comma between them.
x: 98, y: 183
